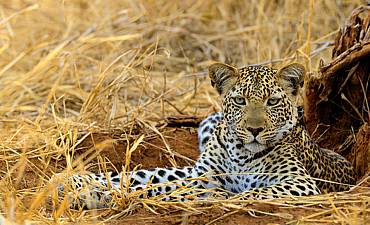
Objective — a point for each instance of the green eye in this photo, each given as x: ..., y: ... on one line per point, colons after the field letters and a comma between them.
x: 239, y: 100
x: 272, y: 101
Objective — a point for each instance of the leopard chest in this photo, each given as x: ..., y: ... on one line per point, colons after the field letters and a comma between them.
x: 241, y: 174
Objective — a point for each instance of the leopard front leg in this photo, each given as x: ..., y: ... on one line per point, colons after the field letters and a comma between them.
x: 91, y: 191
x: 293, y: 186
x: 86, y: 191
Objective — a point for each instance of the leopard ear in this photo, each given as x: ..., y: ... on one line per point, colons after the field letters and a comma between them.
x: 291, y: 77
x: 223, y: 76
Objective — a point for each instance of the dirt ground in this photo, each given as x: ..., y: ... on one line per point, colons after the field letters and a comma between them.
x: 75, y: 75
x: 182, y: 142
x: 152, y: 153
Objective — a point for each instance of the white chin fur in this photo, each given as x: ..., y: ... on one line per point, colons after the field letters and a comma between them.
x: 255, y: 147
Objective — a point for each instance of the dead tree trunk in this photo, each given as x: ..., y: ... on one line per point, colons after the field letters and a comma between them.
x: 337, y: 100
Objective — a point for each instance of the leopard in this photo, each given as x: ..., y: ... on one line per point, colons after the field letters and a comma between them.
x: 256, y: 147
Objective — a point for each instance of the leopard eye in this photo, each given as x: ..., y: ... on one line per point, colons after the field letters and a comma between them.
x: 239, y: 100
x: 272, y: 101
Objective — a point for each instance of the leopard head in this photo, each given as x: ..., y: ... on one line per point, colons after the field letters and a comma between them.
x: 258, y: 102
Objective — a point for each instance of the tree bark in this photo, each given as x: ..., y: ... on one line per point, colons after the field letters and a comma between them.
x: 337, y: 100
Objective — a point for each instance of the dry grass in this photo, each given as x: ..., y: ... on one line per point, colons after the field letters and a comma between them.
x: 70, y: 68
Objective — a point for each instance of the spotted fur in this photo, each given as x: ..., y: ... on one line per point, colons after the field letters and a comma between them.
x: 256, y: 146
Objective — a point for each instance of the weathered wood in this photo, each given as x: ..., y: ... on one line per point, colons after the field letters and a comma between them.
x: 337, y: 100
x: 361, y: 150
x: 183, y: 121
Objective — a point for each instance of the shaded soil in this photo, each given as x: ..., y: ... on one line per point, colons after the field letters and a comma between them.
x: 152, y: 152
x: 183, y: 142
x: 212, y: 215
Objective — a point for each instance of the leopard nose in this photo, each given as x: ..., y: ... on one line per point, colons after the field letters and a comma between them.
x: 255, y: 130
